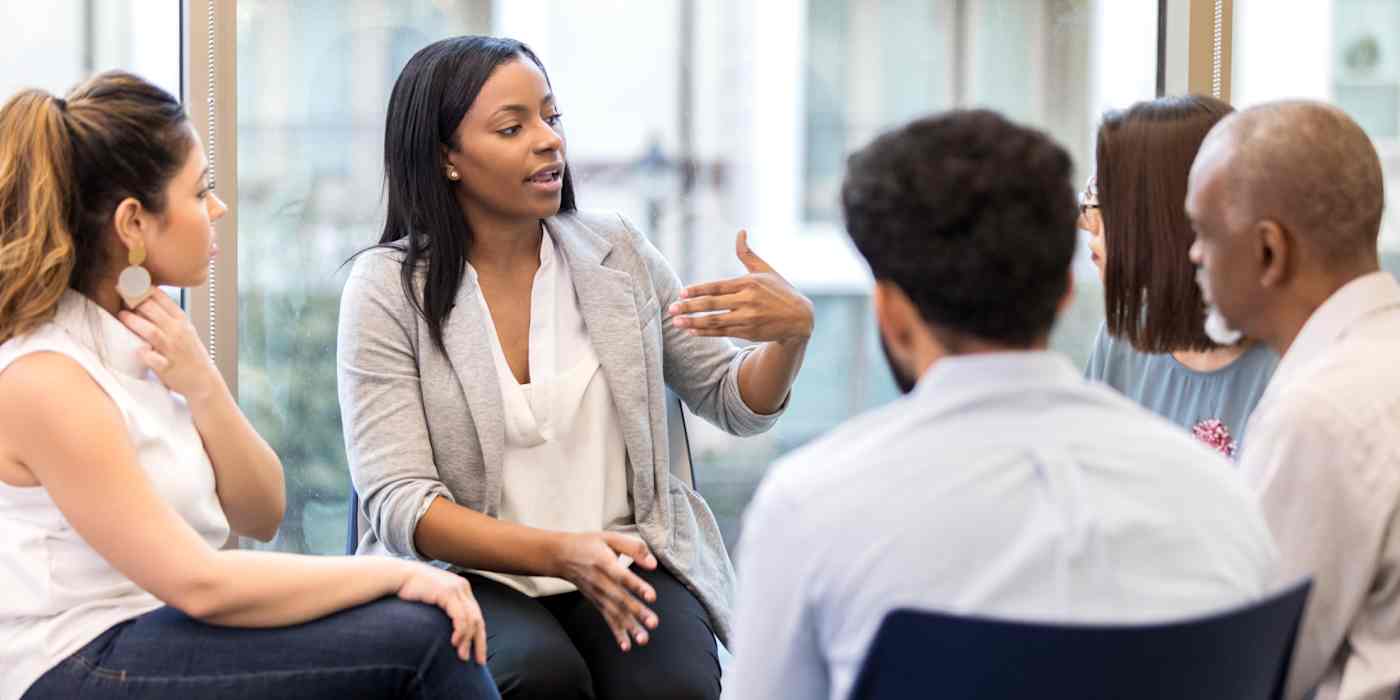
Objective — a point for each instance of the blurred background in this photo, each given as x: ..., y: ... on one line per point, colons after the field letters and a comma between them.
x: 693, y: 118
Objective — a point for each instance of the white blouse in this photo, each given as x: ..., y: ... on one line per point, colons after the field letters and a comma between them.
x: 56, y: 592
x: 565, y: 459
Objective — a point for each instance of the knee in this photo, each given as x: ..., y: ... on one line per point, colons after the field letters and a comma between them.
x: 674, y: 681
x: 405, y: 632
x: 545, y: 668
x: 687, y: 686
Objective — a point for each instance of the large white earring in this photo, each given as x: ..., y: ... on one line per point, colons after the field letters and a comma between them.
x: 134, y: 283
x: 452, y: 174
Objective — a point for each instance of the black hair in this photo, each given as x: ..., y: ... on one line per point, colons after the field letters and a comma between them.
x: 973, y: 217
x: 430, y: 98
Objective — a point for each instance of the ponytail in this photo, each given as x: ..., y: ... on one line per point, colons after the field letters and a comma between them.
x: 36, y: 205
x: 65, y: 166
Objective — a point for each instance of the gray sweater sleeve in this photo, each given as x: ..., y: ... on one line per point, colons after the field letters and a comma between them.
x: 704, y: 372
x: 381, y: 403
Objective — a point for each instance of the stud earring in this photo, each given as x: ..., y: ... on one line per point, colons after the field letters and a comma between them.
x: 452, y: 174
x: 134, y: 283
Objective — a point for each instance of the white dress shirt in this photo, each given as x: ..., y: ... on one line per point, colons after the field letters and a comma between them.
x: 1005, y: 485
x: 1324, y: 460
x: 565, y: 457
x: 56, y: 592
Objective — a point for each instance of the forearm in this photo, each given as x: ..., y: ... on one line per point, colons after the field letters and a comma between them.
x: 247, y: 473
x: 243, y: 588
x: 459, y: 535
x: 767, y: 374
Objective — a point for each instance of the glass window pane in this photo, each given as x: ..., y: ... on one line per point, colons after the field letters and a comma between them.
x: 1346, y: 52
x: 313, y: 84
x: 710, y: 117
x: 55, y: 44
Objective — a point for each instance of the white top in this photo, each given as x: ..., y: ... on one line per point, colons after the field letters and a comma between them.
x: 57, y: 593
x: 1005, y: 485
x: 565, y: 458
x: 1324, y: 459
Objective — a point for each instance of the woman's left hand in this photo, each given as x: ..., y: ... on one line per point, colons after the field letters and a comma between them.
x: 173, y: 350
x: 760, y: 306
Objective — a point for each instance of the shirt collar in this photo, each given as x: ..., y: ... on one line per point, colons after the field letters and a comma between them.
x: 1337, y: 316
x: 959, y: 378
x: 548, y: 251
x: 92, y: 327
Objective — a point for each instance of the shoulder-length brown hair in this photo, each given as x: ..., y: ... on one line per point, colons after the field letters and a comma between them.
x: 1144, y: 155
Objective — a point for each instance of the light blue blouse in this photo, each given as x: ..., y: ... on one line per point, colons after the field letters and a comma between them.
x: 1215, y: 406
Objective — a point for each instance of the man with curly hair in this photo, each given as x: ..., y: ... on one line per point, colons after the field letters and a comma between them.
x: 1002, y: 483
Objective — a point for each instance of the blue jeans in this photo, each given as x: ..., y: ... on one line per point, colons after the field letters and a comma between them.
x: 385, y: 649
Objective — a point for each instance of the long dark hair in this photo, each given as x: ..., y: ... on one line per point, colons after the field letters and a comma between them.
x: 430, y: 97
x: 1143, y: 158
x: 65, y: 165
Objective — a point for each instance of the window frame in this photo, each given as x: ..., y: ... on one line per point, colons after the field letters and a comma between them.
x: 210, y: 84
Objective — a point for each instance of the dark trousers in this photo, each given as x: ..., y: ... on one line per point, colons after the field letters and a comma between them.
x: 385, y: 649
x: 561, y: 647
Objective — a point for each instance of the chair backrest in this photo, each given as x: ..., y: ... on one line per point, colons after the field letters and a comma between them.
x: 681, y: 466
x: 1240, y: 654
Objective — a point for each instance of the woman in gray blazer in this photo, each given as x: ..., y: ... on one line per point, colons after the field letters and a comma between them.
x: 503, y: 364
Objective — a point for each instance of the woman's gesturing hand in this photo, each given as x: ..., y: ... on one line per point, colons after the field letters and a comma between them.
x: 433, y: 586
x: 591, y: 562
x: 173, y: 349
x: 759, y: 306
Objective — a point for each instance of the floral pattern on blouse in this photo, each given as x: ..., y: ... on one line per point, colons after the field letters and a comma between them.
x: 1214, y: 434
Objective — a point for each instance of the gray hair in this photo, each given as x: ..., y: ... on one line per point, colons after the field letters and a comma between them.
x: 1310, y: 168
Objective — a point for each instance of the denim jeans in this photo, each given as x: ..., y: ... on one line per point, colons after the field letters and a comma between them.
x: 385, y: 649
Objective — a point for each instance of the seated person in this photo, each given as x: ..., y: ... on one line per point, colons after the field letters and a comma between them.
x: 1286, y: 201
x: 503, y: 370
x: 125, y: 463
x: 1152, y: 347
x: 1003, y: 484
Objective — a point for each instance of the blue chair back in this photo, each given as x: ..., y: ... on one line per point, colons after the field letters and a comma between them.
x: 681, y: 466
x: 1240, y: 654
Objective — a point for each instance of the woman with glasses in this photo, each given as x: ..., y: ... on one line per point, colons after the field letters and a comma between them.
x: 1153, y: 347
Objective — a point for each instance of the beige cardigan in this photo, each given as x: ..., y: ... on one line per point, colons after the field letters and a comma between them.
x: 419, y: 422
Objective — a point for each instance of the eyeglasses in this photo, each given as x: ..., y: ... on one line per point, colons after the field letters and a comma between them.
x: 1089, y: 198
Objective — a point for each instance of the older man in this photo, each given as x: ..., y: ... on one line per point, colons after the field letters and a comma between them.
x: 1286, y: 202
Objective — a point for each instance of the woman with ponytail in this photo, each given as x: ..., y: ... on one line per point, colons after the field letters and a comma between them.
x: 125, y: 463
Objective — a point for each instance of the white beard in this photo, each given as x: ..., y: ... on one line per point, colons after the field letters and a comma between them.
x: 1219, y: 330
x: 1217, y: 327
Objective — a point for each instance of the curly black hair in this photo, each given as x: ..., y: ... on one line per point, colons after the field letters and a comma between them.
x: 973, y: 217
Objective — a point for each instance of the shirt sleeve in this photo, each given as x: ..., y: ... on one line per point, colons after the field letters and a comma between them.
x: 703, y: 371
x: 381, y: 403
x: 776, y: 648
x: 1306, y: 467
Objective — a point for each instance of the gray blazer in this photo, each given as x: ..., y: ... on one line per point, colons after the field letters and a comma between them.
x: 420, y: 422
